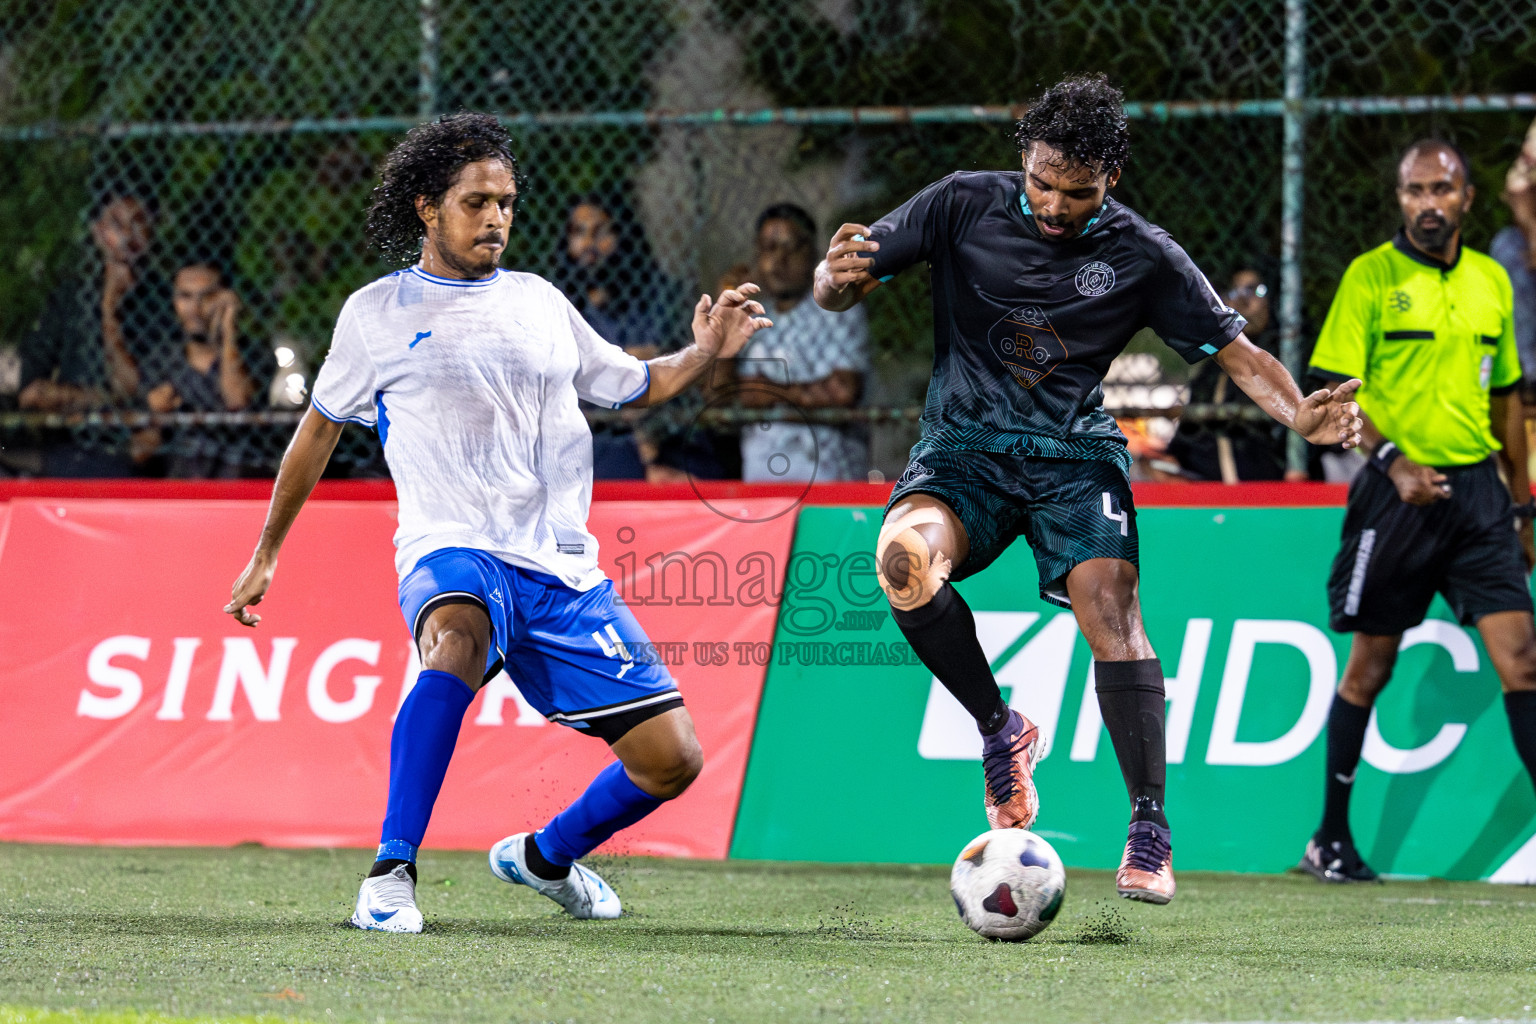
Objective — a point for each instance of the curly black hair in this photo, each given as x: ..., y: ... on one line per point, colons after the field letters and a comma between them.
x: 1083, y: 118
x: 426, y: 163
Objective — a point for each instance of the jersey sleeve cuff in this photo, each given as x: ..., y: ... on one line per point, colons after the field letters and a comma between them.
x: 641, y: 390
x: 1217, y: 342
x: 323, y: 411
x: 1334, y: 376
x: 1506, y: 389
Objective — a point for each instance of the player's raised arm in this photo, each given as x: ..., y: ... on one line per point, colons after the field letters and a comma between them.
x: 844, y: 278
x: 303, y: 462
x: 1327, y: 416
x: 720, y: 329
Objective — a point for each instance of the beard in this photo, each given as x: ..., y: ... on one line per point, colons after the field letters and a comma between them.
x: 1432, y: 234
x: 472, y: 263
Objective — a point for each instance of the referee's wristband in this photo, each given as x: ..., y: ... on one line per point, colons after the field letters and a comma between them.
x: 1385, y: 454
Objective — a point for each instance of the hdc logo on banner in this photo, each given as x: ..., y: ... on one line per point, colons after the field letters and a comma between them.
x: 1034, y: 677
x: 1234, y: 603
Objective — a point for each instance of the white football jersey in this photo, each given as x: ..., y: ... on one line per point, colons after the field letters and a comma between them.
x: 472, y: 386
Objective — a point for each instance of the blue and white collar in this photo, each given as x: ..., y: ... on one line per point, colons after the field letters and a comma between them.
x: 454, y: 282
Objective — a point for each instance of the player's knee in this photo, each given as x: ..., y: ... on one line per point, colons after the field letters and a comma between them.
x: 1369, y: 669
x: 1355, y: 692
x: 670, y: 776
x: 1109, y: 585
x: 456, y: 650
x: 690, y: 762
x: 911, y: 563
x: 1362, y: 684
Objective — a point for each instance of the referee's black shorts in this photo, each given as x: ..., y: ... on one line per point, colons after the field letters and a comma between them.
x: 1395, y: 556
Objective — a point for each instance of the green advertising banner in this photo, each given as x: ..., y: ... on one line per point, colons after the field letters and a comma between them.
x: 860, y: 754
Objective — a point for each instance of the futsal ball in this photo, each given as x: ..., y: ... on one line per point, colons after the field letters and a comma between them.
x: 1008, y: 884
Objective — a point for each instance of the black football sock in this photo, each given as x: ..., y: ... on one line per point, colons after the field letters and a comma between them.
x: 1521, y: 708
x: 1133, y: 705
x: 385, y: 866
x: 1346, y: 738
x: 943, y: 635
x: 540, y: 865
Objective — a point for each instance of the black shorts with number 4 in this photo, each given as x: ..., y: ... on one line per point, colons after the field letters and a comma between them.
x: 1396, y: 556
x: 1069, y: 510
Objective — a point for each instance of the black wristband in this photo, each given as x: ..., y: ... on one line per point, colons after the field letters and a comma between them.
x: 1385, y: 454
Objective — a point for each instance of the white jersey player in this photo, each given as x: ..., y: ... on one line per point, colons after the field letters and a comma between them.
x: 471, y: 376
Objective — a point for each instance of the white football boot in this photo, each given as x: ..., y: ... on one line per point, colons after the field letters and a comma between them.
x: 387, y: 903
x: 582, y: 893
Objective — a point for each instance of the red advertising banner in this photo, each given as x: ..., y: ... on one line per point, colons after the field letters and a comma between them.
x: 135, y: 711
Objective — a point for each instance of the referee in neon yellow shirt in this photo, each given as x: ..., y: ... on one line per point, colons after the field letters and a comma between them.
x: 1428, y: 325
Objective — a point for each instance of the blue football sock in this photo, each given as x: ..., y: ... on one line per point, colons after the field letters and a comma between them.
x: 610, y: 803
x: 426, y: 731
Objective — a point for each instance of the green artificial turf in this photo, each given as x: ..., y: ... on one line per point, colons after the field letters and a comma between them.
x: 145, y: 936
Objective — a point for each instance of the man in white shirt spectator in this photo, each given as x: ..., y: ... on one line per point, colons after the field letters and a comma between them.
x: 812, y: 359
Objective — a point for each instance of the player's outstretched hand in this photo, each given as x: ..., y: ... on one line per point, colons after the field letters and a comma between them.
x: 1331, y: 416
x: 249, y: 589
x: 848, y: 259
x: 720, y: 329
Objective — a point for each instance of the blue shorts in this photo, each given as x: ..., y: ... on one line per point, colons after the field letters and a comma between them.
x: 578, y: 657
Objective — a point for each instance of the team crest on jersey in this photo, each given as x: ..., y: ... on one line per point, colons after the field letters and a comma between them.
x: 915, y: 471
x: 1027, y: 344
x: 1096, y: 278
x: 1400, y: 301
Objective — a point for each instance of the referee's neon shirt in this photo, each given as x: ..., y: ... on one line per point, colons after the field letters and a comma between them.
x: 1430, y: 341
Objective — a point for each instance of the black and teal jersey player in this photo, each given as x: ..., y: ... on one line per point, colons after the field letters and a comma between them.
x: 1039, y: 280
x: 1025, y: 327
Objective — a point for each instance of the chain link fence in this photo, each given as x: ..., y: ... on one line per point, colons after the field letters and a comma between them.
x: 203, y: 168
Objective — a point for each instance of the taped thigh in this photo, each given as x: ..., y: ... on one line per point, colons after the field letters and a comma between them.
x: 927, y: 570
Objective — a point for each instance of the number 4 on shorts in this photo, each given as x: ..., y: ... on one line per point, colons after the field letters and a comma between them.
x: 1120, y: 517
x: 615, y: 649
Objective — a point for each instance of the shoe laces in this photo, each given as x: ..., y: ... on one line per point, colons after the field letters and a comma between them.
x: 997, y: 766
x: 394, y: 891
x: 1147, y: 847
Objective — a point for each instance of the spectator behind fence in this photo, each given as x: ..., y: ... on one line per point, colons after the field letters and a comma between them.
x: 1515, y: 249
x: 606, y: 270
x: 88, y: 348
x: 1237, y: 449
x: 811, y: 359
x: 208, y: 374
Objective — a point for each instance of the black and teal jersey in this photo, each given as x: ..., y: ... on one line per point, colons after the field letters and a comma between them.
x: 1025, y: 328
